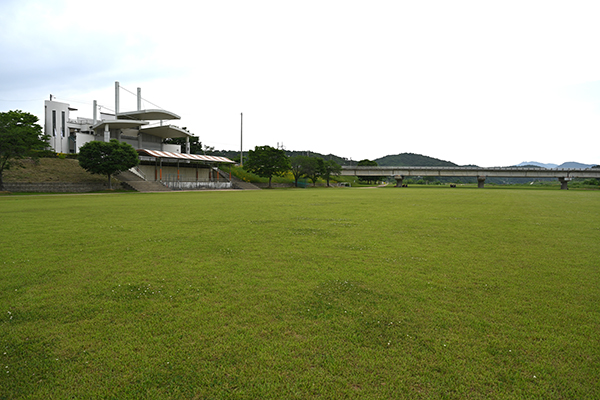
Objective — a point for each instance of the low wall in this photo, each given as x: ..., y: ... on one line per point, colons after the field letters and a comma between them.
x: 57, y: 187
x: 197, y: 185
x: 264, y: 185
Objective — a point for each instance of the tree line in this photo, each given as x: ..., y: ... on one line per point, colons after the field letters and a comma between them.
x: 267, y: 161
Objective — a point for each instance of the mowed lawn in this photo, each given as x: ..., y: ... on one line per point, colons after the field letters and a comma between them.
x: 299, y: 294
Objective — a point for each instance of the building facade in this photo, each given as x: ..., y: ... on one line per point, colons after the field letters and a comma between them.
x: 142, y: 129
x: 146, y: 131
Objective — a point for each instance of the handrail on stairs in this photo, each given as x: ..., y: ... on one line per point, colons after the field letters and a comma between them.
x: 135, y: 170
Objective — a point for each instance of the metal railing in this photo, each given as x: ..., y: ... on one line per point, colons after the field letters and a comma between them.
x: 135, y: 170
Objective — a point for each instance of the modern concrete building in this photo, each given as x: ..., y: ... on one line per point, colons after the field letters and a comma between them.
x: 145, y: 130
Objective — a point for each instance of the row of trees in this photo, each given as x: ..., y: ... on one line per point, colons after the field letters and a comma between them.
x: 267, y: 161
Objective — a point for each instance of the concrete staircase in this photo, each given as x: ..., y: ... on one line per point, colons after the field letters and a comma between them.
x: 237, y: 183
x: 240, y: 184
x: 134, y: 182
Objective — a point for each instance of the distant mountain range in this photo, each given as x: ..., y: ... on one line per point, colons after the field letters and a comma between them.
x: 570, y: 164
x: 417, y: 160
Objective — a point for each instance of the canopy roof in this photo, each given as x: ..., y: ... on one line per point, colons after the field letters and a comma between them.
x: 166, y: 131
x: 118, y: 124
x: 183, y: 156
x: 149, y: 115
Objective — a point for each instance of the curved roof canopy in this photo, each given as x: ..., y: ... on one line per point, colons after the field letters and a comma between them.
x: 166, y: 131
x: 118, y: 124
x: 183, y: 156
x: 149, y: 115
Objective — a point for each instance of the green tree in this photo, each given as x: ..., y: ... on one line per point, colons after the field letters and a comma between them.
x: 107, y: 158
x: 20, y: 135
x: 267, y: 161
x: 368, y: 163
x: 331, y: 168
x: 297, y: 167
x: 313, y: 169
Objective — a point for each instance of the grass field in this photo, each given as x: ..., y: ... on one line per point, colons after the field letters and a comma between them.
x: 298, y: 294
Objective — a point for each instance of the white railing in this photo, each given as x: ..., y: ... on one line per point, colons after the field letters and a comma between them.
x: 136, y: 171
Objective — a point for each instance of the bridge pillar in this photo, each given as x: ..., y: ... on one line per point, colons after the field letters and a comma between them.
x: 399, y: 179
x: 480, y: 181
x: 564, y: 183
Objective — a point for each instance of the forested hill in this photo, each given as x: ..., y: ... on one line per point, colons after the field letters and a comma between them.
x: 412, y: 160
x: 337, y: 159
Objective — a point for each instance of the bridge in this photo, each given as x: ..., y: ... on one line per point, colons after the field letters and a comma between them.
x: 564, y: 175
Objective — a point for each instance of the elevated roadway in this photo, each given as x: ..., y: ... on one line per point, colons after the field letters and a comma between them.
x: 564, y: 175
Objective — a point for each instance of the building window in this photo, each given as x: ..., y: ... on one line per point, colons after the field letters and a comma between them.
x: 53, y: 122
x: 62, y: 126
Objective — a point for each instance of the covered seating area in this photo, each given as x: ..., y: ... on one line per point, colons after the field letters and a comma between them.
x: 184, y: 171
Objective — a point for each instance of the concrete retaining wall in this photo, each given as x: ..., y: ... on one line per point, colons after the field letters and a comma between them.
x: 264, y: 185
x: 57, y: 187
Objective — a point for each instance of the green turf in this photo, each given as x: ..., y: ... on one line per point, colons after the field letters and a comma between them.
x: 298, y: 294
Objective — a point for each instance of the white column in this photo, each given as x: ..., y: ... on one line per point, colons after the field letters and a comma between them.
x: 116, y: 98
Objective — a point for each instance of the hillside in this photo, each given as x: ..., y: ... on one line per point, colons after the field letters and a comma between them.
x: 412, y: 160
x: 569, y: 164
x: 49, y: 170
x: 573, y: 164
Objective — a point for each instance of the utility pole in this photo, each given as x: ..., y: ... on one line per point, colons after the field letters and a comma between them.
x: 241, y: 139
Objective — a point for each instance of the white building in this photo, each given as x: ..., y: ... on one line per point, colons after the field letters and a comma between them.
x: 143, y: 129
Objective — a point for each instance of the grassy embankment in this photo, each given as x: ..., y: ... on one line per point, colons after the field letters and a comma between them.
x: 50, y: 170
x: 341, y: 293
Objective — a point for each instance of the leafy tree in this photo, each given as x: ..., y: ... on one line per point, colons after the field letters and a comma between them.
x: 297, y: 166
x: 267, y: 161
x: 368, y: 163
x: 330, y: 168
x: 20, y: 135
x: 313, y: 169
x: 107, y: 158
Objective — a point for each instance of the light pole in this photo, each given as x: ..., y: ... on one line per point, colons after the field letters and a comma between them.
x: 241, y: 139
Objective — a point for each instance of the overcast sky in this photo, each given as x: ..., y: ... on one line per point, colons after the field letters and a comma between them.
x: 491, y: 83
